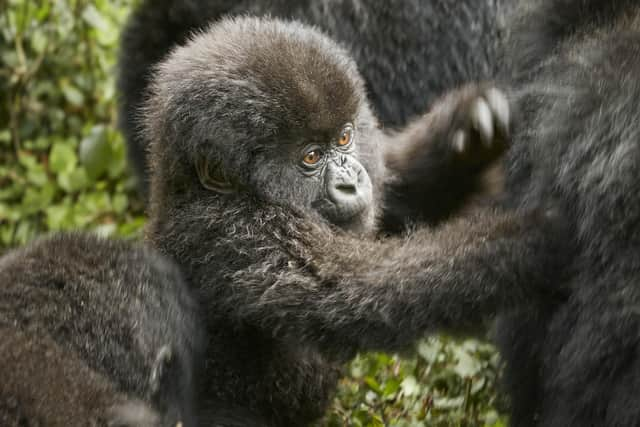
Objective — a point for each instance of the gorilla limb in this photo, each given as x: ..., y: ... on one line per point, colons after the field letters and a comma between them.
x: 88, y: 322
x: 446, y: 161
x: 344, y: 294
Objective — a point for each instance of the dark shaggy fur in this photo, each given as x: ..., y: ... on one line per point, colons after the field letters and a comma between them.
x: 288, y: 296
x: 95, y: 332
x: 410, y: 52
x: 575, y: 70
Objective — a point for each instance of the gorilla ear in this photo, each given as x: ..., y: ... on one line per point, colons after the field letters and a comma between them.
x: 213, y: 178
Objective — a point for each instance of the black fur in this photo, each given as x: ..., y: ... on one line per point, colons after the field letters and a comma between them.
x: 575, y: 67
x: 410, y: 52
x: 289, y: 296
x: 95, y: 332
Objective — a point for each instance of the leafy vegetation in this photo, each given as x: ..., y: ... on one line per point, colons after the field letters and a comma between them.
x: 63, y: 167
x: 62, y: 162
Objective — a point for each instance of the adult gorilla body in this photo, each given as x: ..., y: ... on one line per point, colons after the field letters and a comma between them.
x: 409, y: 52
x: 575, y: 78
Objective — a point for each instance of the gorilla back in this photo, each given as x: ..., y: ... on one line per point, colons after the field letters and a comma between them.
x: 576, y: 80
x: 95, y: 332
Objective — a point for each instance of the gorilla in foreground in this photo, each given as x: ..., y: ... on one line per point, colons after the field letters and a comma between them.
x: 95, y: 333
x: 268, y: 181
x: 410, y: 52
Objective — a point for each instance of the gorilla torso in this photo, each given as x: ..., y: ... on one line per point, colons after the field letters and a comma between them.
x: 575, y: 80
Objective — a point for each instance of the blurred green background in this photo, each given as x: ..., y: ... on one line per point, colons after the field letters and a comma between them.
x: 63, y: 166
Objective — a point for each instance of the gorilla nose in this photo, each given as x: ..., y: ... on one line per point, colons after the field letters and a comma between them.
x: 349, y: 197
x: 344, y: 185
x: 348, y: 189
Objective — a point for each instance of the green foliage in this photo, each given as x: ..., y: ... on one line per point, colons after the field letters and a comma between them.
x: 62, y: 166
x: 448, y: 383
x: 62, y: 163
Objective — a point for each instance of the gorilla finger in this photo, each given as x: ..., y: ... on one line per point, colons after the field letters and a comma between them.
x: 482, y: 121
x: 460, y: 141
x: 499, y: 105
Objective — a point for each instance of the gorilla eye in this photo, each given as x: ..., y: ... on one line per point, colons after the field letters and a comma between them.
x: 312, y: 157
x: 346, y: 136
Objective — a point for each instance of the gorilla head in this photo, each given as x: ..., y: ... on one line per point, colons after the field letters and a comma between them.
x: 284, y: 122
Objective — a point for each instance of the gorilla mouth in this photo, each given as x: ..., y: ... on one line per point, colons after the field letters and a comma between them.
x: 341, y: 214
x: 347, y: 189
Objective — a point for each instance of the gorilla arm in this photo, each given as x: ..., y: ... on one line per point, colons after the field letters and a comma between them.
x: 347, y: 294
x: 440, y: 161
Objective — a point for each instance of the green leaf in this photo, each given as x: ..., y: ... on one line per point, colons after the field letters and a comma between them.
x: 5, y: 136
x: 74, y: 180
x: 39, y: 41
x: 391, y: 386
x: 37, y: 175
x: 94, y: 18
x: 36, y: 199
x: 24, y: 232
x: 448, y: 403
x: 120, y: 203
x: 410, y: 386
x: 58, y: 217
x: 27, y: 160
x: 429, y: 349
x: 43, y: 11
x: 95, y: 152
x: 373, y: 384
x: 118, y: 163
x: 132, y: 227
x: 72, y: 94
x: 466, y: 365
x: 62, y: 158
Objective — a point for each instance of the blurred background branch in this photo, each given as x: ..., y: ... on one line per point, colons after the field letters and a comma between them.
x: 62, y: 162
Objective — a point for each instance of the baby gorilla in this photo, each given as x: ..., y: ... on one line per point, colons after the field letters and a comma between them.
x: 267, y: 174
x: 95, y: 332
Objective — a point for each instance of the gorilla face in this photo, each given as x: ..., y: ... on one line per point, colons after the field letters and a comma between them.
x: 343, y: 192
x: 320, y: 172
x: 283, y: 121
x: 347, y: 185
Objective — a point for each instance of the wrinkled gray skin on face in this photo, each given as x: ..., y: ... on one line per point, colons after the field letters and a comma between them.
x: 348, y: 188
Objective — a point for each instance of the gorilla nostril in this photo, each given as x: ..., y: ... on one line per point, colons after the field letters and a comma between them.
x: 349, y: 189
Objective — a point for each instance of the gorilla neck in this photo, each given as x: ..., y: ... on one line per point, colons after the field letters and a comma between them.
x: 211, y: 239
